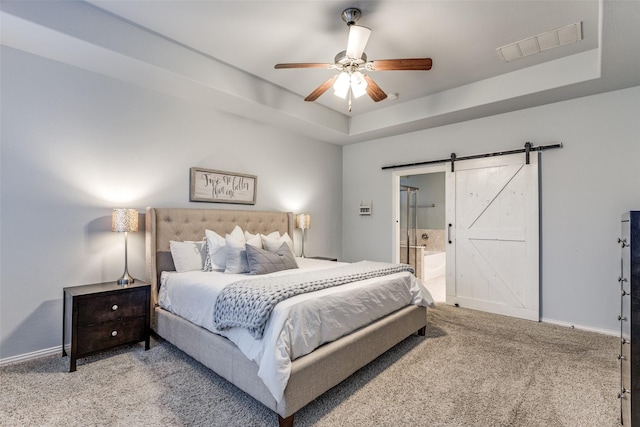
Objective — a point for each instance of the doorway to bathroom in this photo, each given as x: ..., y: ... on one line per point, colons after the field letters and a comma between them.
x: 422, y: 228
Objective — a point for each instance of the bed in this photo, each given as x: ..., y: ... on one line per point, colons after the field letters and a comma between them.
x: 309, y: 375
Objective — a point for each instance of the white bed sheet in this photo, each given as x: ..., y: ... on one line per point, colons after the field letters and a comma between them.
x: 297, y: 325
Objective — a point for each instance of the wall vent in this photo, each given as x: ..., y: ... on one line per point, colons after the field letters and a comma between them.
x: 541, y: 42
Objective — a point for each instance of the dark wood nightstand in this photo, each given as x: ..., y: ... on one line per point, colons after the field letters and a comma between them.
x: 323, y: 258
x: 104, y: 315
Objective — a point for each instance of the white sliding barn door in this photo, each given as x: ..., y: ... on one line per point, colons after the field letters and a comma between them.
x: 492, y: 243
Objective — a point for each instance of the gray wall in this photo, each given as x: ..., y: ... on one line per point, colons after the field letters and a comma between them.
x: 76, y: 144
x: 585, y: 187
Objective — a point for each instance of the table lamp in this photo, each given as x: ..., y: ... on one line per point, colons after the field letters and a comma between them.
x: 303, y: 221
x: 124, y: 220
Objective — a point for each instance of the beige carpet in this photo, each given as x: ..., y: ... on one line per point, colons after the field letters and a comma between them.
x: 472, y: 369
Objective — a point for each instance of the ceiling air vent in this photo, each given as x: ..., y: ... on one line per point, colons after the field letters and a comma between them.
x: 541, y: 42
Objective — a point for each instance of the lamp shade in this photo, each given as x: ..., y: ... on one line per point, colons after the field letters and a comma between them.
x: 124, y: 220
x: 303, y: 221
x: 341, y: 86
x: 358, y: 84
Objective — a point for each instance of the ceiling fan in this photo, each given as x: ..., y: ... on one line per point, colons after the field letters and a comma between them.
x: 350, y: 64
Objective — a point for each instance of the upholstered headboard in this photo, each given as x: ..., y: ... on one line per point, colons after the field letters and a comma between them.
x: 181, y: 224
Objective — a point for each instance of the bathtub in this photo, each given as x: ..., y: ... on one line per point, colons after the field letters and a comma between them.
x: 433, y: 265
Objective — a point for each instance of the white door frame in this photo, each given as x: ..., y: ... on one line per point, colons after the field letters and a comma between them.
x: 395, y: 194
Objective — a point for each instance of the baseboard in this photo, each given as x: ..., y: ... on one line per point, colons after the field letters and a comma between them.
x: 32, y: 355
x: 581, y: 327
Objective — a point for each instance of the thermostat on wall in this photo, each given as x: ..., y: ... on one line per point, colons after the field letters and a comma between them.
x: 365, y: 209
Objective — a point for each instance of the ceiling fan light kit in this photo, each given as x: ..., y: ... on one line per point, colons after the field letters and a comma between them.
x: 341, y: 86
x: 350, y: 64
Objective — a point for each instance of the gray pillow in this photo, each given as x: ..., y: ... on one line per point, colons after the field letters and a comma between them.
x: 262, y: 261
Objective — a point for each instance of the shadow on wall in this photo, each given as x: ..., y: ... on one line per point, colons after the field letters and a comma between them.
x: 43, y: 327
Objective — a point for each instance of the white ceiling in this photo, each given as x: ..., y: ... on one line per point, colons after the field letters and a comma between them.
x: 222, y: 53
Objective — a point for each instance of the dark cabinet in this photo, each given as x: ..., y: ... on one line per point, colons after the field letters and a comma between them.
x: 102, y: 316
x: 630, y: 319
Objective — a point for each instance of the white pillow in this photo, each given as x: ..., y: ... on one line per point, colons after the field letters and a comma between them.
x: 236, y: 253
x: 253, y: 239
x: 187, y: 256
x: 215, y: 256
x: 273, y: 241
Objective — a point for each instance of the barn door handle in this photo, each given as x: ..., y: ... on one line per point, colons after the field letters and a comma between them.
x: 449, y: 233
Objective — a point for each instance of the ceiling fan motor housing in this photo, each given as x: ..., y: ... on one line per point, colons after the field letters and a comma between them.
x: 342, y: 59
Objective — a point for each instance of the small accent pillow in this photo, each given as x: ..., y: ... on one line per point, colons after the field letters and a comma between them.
x: 262, y: 261
x: 235, y: 252
x: 273, y: 241
x: 215, y: 258
x: 253, y: 239
x: 187, y: 256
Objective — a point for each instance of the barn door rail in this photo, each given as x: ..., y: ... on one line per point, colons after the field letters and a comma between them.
x: 528, y: 148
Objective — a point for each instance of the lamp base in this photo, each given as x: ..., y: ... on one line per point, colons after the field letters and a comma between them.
x: 125, y: 279
x: 302, y: 253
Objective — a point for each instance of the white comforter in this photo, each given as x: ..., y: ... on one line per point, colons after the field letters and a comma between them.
x: 298, y: 325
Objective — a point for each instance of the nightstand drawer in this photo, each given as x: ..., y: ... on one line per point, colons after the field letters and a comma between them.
x: 112, y: 307
x: 110, y: 334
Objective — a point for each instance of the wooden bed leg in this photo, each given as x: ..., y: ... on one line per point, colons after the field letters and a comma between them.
x: 286, y: 422
x: 422, y: 331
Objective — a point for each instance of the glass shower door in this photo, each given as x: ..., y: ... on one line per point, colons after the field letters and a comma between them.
x: 408, y: 226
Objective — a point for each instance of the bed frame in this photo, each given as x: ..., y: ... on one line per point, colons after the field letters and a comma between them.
x: 311, y: 375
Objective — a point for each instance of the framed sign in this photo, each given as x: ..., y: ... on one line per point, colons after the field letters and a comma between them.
x: 215, y: 186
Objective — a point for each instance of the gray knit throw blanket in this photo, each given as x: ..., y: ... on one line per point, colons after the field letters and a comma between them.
x: 249, y: 303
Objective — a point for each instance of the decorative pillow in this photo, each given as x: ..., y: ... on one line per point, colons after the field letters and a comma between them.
x: 262, y: 261
x: 253, y: 239
x: 215, y: 259
x: 273, y: 241
x: 187, y: 256
x: 235, y: 252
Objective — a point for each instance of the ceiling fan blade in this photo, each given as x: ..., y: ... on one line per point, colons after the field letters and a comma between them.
x: 303, y: 65
x: 321, y: 89
x: 401, y: 64
x: 373, y: 90
x: 358, y: 37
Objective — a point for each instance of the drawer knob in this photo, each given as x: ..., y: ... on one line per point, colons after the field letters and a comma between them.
x: 621, y: 357
x: 114, y: 333
x: 114, y: 307
x: 622, y: 279
x: 622, y: 318
x: 625, y: 341
x: 622, y: 393
x: 625, y: 293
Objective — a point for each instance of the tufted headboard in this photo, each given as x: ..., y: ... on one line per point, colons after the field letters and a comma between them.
x: 181, y: 224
